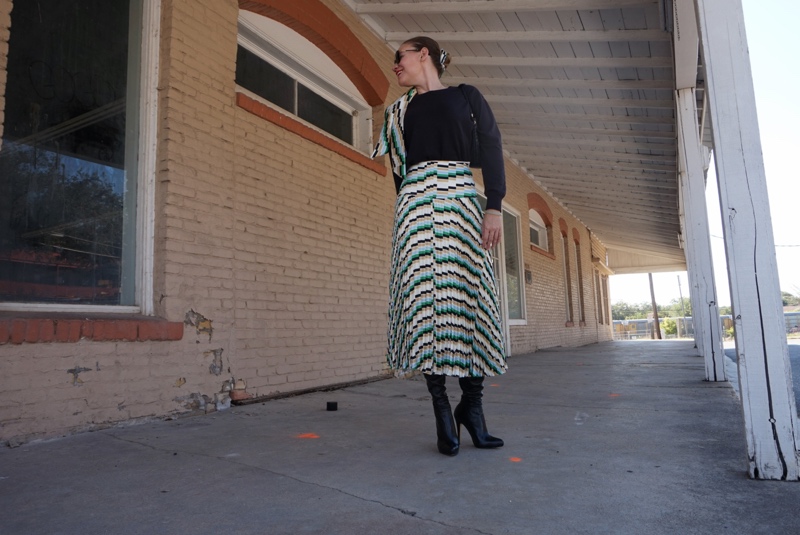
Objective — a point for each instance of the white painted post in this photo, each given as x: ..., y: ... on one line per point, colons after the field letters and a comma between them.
x: 764, y: 373
x: 691, y: 262
x: 686, y: 43
x: 705, y: 309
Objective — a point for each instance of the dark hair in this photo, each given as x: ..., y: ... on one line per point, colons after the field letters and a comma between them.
x: 434, y: 51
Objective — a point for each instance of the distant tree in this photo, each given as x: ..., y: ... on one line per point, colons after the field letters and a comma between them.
x: 789, y: 299
x: 675, y: 310
x: 725, y: 311
x: 627, y: 311
x: 669, y: 326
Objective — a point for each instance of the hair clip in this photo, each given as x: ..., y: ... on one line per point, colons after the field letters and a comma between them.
x: 442, y: 58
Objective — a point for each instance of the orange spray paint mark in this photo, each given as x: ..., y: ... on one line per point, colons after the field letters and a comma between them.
x: 614, y: 395
x: 308, y: 435
x: 494, y: 384
x: 515, y: 459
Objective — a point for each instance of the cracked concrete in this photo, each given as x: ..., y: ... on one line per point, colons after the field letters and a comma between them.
x: 622, y: 438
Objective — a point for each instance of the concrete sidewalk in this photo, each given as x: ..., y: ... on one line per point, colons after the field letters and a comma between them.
x: 618, y: 438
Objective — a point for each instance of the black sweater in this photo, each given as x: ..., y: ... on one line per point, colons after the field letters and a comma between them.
x: 437, y: 126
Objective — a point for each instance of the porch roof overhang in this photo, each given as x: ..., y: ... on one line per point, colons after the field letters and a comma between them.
x: 584, y: 94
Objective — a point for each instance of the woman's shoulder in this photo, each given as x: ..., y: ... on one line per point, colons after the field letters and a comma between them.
x: 405, y: 97
x: 469, y: 89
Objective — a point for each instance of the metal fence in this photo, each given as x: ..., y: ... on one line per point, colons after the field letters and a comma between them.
x: 644, y: 328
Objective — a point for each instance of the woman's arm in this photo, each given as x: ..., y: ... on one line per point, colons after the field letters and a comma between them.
x: 491, y: 146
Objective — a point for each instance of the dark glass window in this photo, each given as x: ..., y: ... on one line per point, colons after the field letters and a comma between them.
x: 514, y: 286
x: 257, y: 75
x: 318, y: 111
x: 66, y: 197
x: 534, y: 236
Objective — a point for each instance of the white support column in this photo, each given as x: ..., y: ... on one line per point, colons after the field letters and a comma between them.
x: 691, y: 265
x: 686, y: 42
x: 705, y: 309
x: 764, y: 373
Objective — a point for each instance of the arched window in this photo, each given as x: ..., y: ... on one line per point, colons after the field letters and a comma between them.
x: 540, y: 223
x: 280, y: 67
x: 538, y: 230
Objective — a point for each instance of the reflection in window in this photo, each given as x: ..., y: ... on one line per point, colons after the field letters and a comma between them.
x: 567, y: 279
x: 579, y: 280
x: 513, y: 271
x: 598, y: 297
x: 604, y: 288
x: 259, y: 76
x: 538, y: 230
x: 68, y: 193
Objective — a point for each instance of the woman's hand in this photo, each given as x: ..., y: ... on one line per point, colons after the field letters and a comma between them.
x: 492, y: 229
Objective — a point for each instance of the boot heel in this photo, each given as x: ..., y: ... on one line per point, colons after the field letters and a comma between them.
x: 469, y: 413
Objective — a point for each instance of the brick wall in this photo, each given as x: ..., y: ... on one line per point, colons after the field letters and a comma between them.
x: 281, y: 241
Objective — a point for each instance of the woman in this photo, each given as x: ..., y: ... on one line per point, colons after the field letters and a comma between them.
x: 444, y: 317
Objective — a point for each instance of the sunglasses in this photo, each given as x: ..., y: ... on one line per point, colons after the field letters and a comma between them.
x: 398, y: 55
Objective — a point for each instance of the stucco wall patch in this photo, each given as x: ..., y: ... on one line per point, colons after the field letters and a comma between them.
x: 201, y: 324
x: 76, y: 371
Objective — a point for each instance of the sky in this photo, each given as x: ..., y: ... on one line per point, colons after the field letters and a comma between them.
x: 774, y: 51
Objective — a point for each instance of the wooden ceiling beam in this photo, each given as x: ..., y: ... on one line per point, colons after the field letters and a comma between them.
x: 626, y: 248
x: 568, y: 162
x: 547, y: 180
x: 536, y: 36
x: 620, y: 201
x: 651, y: 212
x: 551, y: 83
x: 501, y: 115
x: 669, y: 249
x: 599, y: 167
x: 534, y: 144
x: 494, y: 6
x: 625, y: 213
x: 598, y: 154
x: 599, y: 132
x: 638, y: 103
x: 663, y: 62
x: 649, y: 178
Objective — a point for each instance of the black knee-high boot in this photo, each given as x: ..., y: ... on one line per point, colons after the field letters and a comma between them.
x: 447, y: 441
x: 469, y: 413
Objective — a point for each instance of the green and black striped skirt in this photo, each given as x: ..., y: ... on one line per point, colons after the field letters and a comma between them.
x: 444, y: 314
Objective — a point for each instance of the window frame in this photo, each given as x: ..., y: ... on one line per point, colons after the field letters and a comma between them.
x: 541, y: 228
x: 501, y: 254
x: 145, y: 20
x: 518, y: 217
x: 579, y: 283
x: 569, y: 312
x: 303, y: 72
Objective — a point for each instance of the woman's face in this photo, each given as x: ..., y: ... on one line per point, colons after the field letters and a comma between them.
x: 408, y: 65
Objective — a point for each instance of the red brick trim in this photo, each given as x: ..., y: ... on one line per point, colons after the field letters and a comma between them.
x: 537, y: 202
x: 68, y: 329
x: 319, y: 24
x: 576, y: 236
x: 569, y: 324
x: 542, y: 252
x: 562, y: 225
x: 293, y: 125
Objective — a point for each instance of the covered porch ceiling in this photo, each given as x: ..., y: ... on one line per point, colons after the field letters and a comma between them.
x: 583, y: 91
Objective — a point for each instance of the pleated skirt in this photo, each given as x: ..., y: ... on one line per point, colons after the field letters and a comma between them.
x: 444, y: 313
